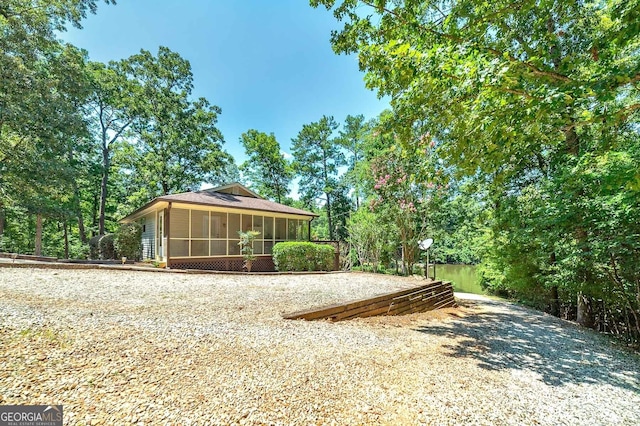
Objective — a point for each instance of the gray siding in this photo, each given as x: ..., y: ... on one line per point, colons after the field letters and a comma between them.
x: 148, y: 236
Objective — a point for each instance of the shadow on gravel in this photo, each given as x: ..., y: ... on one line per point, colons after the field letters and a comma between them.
x: 511, y: 337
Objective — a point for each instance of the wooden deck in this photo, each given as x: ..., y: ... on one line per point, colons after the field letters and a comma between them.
x: 426, y: 297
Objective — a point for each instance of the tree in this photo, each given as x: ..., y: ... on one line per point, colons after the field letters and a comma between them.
x: 458, y: 223
x: 177, y: 146
x: 369, y: 236
x: 317, y: 157
x: 405, y: 190
x: 37, y: 73
x: 42, y: 88
x: 267, y: 169
x: 112, y: 107
x: 352, y: 139
x: 523, y: 95
x: 37, y: 153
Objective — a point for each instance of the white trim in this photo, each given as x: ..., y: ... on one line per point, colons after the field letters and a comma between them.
x: 178, y: 205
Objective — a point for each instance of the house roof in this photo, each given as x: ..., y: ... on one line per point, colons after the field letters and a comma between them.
x: 224, y: 196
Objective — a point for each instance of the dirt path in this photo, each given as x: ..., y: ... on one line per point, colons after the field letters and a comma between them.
x: 145, y: 348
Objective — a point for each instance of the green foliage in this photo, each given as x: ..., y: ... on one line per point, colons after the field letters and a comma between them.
x: 268, y: 171
x: 179, y: 146
x: 128, y: 241
x: 352, y: 140
x: 102, y: 247
x: 317, y: 157
x: 111, y: 106
x: 43, y: 131
x: 303, y: 256
x: 405, y: 190
x: 458, y: 225
x: 369, y: 237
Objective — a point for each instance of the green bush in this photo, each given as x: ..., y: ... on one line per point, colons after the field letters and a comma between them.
x: 303, y: 256
x: 94, y: 247
x: 106, y: 247
x: 102, y: 247
x: 128, y: 240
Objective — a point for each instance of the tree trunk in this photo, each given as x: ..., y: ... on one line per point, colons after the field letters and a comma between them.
x: 95, y: 207
x: 66, y: 240
x: 103, y: 187
x: 585, y: 311
x: 329, y: 216
x: 38, y: 247
x: 81, y: 231
x: 76, y: 204
x: 584, y: 314
x: 555, y: 302
x: 404, y: 262
x: 2, y: 215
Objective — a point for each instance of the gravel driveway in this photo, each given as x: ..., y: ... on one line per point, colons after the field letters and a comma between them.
x: 118, y: 347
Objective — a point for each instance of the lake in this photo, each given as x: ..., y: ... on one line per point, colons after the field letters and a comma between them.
x: 463, y: 277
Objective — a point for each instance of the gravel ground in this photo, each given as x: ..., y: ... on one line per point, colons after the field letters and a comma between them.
x: 119, y: 348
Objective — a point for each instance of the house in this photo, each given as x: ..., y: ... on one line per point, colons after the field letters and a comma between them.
x: 199, y: 230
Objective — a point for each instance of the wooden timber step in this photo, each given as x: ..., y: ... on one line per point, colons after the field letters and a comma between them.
x: 426, y: 297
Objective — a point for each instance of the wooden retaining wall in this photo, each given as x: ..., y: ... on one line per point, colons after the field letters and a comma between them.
x: 426, y: 297
x: 28, y: 257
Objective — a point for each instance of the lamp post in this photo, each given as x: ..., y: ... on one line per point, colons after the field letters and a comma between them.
x: 424, y: 245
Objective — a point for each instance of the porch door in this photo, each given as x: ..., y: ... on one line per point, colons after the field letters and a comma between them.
x: 160, y: 240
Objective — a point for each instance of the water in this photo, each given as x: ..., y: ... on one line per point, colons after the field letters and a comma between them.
x: 463, y: 277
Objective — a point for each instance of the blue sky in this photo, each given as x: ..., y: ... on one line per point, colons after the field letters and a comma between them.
x: 267, y: 64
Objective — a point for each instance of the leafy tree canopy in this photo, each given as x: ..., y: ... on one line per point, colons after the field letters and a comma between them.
x: 514, y: 76
x: 267, y: 169
x: 178, y: 144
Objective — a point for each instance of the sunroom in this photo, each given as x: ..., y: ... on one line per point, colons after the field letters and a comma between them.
x: 199, y: 230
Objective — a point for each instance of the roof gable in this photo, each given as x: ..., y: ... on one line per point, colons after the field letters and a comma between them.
x: 235, y: 188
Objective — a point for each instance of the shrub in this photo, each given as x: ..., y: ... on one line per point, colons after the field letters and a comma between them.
x: 101, y: 247
x: 94, y: 247
x: 128, y: 240
x: 303, y: 256
x: 106, y: 247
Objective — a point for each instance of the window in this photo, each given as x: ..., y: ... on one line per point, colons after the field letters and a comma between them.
x: 247, y: 224
x: 268, y: 247
x: 179, y: 223
x: 257, y: 246
x: 218, y: 247
x: 257, y: 226
x: 199, y: 248
x: 218, y: 225
x: 179, y: 247
x: 199, y: 224
x: 234, y: 247
x: 268, y: 228
x: 234, y: 225
x: 293, y: 227
x: 281, y: 229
